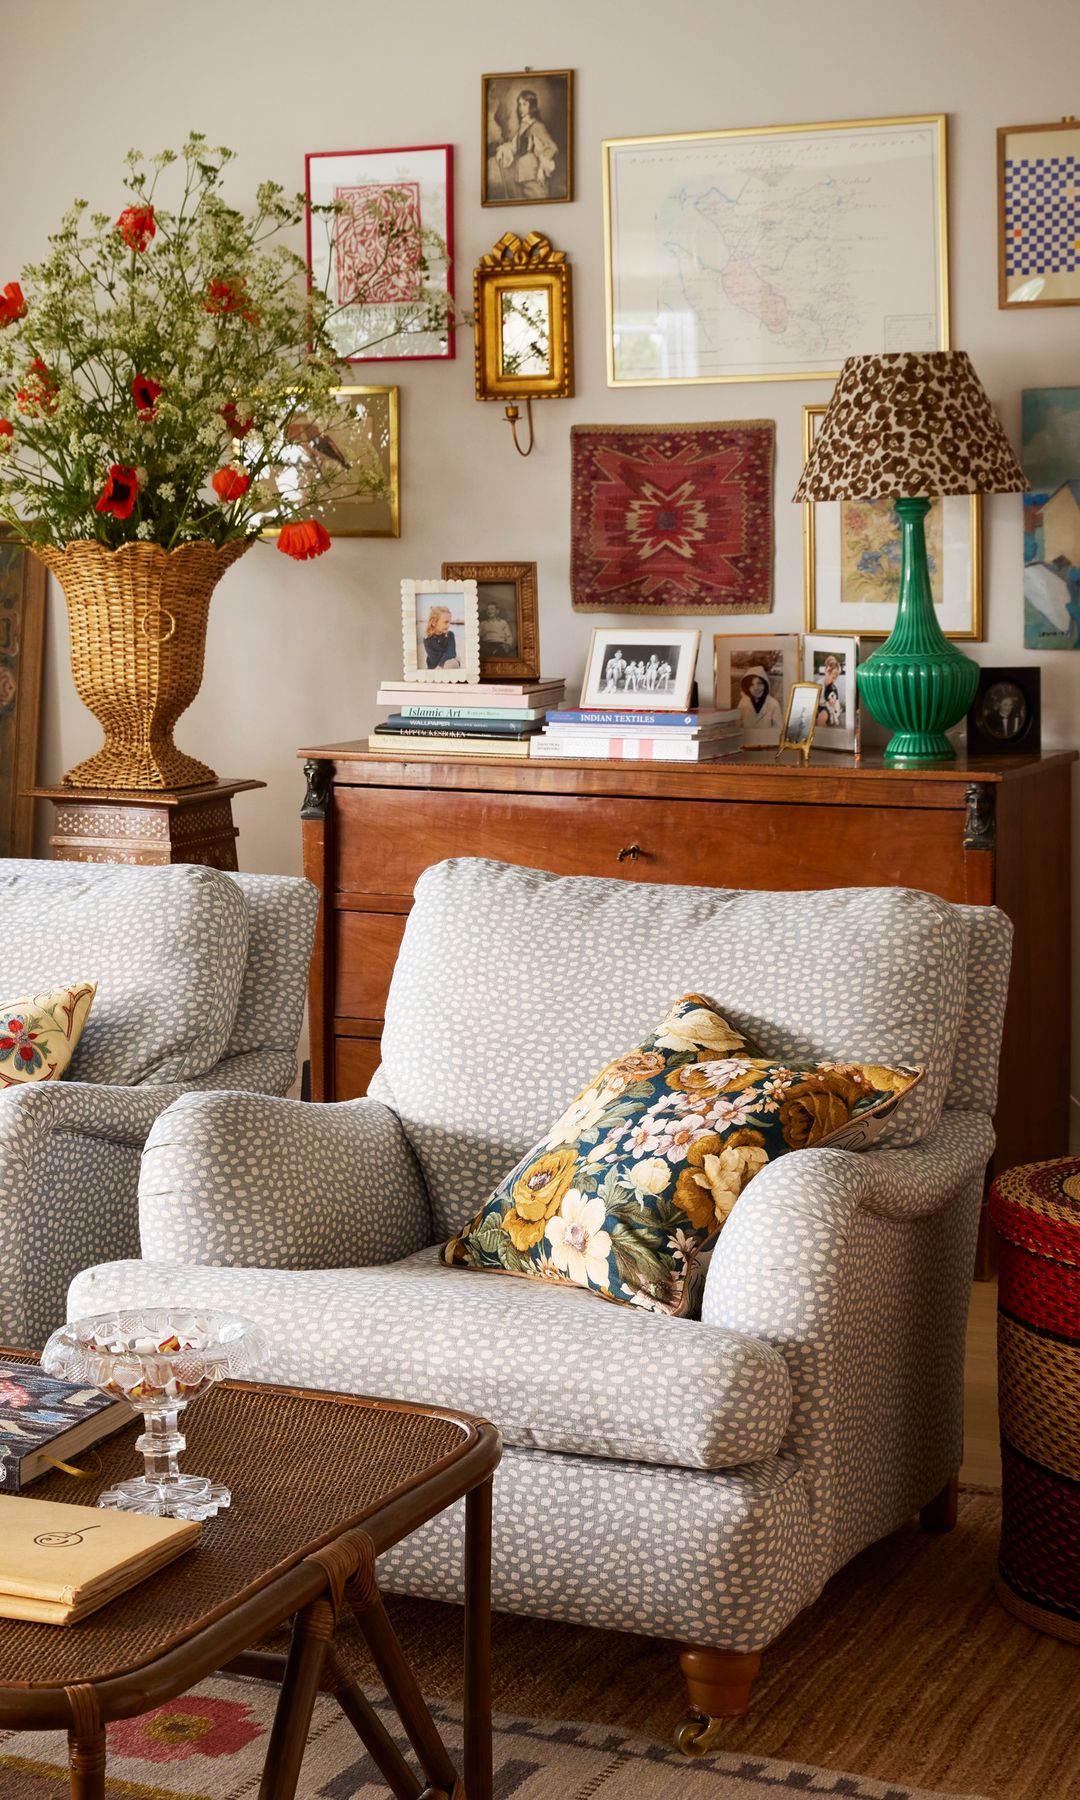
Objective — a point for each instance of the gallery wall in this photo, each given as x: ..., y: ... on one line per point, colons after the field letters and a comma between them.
x: 295, y: 651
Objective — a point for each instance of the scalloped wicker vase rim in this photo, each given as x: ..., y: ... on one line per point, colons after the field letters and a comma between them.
x: 138, y: 616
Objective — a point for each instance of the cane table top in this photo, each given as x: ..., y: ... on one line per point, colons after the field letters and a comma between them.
x: 304, y: 1468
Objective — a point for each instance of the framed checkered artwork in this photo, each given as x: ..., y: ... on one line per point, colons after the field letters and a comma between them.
x: 380, y: 241
x: 1039, y: 214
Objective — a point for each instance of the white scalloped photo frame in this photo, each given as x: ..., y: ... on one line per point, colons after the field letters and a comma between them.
x: 458, y: 660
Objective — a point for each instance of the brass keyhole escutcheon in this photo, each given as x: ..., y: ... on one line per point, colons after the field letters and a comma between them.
x: 629, y: 853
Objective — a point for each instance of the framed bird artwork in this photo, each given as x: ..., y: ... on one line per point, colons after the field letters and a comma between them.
x: 360, y: 446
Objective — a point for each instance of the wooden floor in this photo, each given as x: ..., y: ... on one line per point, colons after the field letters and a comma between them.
x: 982, y: 1454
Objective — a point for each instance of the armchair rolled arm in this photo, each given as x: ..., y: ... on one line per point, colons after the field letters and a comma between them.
x: 254, y: 1181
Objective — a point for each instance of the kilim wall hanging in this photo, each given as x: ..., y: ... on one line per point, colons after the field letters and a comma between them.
x: 673, y: 518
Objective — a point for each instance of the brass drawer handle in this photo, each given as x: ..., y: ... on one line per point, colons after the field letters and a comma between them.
x: 629, y: 853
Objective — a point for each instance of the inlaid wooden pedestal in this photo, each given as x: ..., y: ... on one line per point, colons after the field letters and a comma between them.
x: 188, y: 825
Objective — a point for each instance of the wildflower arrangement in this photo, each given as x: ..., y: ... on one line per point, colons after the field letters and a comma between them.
x: 160, y: 369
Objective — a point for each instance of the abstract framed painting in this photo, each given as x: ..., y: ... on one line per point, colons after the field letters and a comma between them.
x: 385, y: 257
x: 1039, y: 215
x: 772, y: 254
x: 1050, y: 459
x: 851, y: 560
x: 672, y: 518
x: 22, y: 631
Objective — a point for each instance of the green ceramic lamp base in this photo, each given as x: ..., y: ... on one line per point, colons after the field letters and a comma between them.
x: 917, y: 683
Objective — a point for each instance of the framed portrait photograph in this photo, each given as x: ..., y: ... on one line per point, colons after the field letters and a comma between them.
x: 646, y: 671
x: 22, y: 635
x: 851, y: 560
x: 753, y: 674
x: 361, y: 447
x: 1004, y: 719
x: 1039, y: 214
x: 386, y: 258
x: 527, y: 123
x: 772, y: 254
x: 509, y: 629
x: 800, y: 720
x: 439, y: 631
x: 831, y: 663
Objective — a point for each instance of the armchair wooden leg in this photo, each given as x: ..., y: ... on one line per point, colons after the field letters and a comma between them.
x: 939, y: 1514
x: 718, y: 1683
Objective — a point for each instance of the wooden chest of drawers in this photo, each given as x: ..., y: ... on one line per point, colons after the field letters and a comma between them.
x: 989, y: 831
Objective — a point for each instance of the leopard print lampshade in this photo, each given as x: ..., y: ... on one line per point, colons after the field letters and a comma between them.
x: 906, y: 425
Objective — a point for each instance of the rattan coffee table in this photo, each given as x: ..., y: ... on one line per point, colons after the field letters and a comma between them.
x: 322, y: 1484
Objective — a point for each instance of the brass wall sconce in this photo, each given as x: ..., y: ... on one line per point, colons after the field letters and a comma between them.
x: 523, y: 326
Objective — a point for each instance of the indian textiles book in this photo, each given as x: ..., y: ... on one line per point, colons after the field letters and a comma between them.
x: 58, y: 1562
x: 472, y: 718
x: 639, y: 736
x: 44, y: 1421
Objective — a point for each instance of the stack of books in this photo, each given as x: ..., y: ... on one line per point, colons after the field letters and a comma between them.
x: 639, y: 736
x: 489, y: 718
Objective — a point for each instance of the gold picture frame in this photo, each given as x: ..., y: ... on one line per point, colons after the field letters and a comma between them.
x: 522, y: 659
x: 911, y: 299
x: 956, y: 522
x: 347, y: 517
x: 800, y: 720
x: 523, y: 325
x: 513, y: 172
x: 1037, y: 210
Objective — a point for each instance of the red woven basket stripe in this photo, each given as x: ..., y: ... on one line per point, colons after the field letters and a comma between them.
x: 1040, y: 1292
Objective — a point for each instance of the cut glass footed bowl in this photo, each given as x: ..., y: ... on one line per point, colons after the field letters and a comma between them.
x: 159, y: 1359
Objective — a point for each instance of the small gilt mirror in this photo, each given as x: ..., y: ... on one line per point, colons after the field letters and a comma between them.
x: 524, y: 344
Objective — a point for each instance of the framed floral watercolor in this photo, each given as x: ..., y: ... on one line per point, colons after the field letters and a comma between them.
x: 509, y: 629
x: 753, y: 674
x: 22, y: 631
x: 851, y: 560
x: 440, y: 631
x: 362, y: 445
x: 527, y: 121
x: 385, y: 257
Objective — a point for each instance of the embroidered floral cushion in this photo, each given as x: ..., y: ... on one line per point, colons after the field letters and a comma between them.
x: 631, y: 1187
x: 38, y: 1036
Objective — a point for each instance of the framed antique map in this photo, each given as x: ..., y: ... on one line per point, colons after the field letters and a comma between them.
x: 773, y: 254
x: 851, y: 558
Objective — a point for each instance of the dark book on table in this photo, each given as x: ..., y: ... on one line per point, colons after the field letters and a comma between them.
x: 44, y: 1421
x: 510, y: 728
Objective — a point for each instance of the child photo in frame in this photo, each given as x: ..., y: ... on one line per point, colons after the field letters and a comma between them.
x: 440, y: 631
x: 832, y: 663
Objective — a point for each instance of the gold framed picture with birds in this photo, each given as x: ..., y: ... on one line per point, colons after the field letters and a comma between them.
x: 360, y: 447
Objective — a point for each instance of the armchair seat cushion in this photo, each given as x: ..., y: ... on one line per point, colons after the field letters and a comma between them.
x: 550, y: 1366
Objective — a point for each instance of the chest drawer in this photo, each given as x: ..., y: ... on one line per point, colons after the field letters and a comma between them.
x: 386, y: 838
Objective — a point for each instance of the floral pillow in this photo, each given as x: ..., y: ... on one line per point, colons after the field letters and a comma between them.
x: 38, y: 1036
x: 631, y: 1187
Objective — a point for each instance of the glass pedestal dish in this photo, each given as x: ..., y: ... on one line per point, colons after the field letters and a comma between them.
x: 160, y: 1359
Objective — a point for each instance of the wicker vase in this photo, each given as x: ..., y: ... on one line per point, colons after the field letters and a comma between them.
x: 138, y: 633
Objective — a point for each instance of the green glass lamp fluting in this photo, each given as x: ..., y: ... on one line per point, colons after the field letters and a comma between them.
x: 901, y: 427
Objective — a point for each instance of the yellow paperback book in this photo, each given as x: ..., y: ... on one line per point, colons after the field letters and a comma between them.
x: 58, y: 1562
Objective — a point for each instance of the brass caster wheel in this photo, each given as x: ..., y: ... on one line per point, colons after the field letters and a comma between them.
x: 696, y: 1736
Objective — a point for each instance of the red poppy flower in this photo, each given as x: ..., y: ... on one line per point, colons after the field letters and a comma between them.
x: 230, y: 484
x: 120, y: 492
x: 136, y: 226
x: 303, y: 539
x: 146, y: 395
x: 238, y: 426
x: 12, y: 304
x: 7, y: 429
x: 39, y: 394
x: 229, y: 297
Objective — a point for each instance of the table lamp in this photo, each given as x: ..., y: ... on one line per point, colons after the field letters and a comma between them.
x: 901, y: 426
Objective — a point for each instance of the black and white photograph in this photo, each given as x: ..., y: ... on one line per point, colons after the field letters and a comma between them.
x: 439, y: 633
x: 528, y: 137
x: 643, y: 670
x: 800, y: 722
x: 832, y: 663
x: 509, y: 627
x: 753, y: 674
x: 1004, y: 717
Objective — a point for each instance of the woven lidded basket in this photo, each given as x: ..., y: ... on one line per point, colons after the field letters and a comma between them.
x: 1036, y: 1209
x: 138, y: 620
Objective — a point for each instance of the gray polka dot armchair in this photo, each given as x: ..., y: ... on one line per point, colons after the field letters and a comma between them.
x: 699, y: 1479
x: 200, y: 979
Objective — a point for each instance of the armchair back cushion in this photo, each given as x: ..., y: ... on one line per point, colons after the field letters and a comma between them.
x: 513, y: 985
x: 281, y: 926
x: 166, y: 946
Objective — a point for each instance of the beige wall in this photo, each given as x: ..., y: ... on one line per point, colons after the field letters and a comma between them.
x: 295, y: 651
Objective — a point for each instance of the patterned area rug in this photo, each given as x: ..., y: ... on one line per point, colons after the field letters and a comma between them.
x: 210, y: 1745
